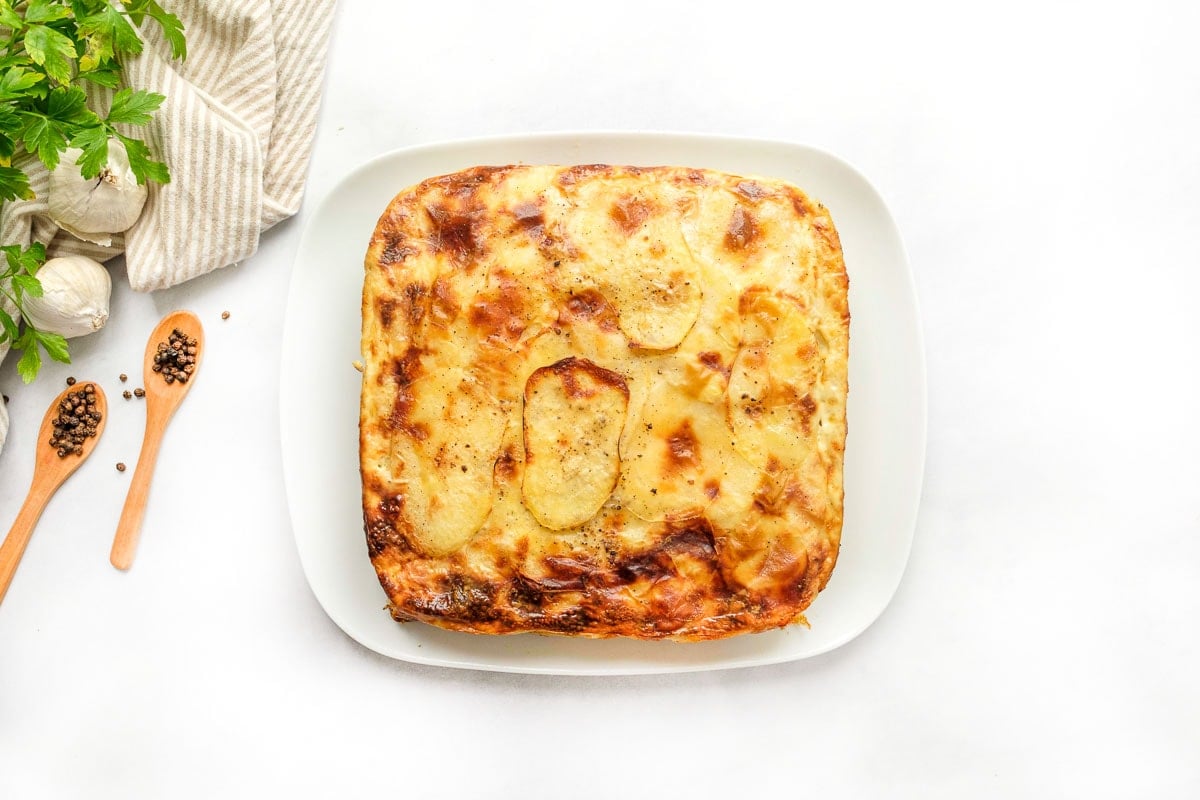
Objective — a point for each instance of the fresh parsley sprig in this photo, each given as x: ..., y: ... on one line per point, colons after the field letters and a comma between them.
x: 18, y: 280
x: 49, y: 49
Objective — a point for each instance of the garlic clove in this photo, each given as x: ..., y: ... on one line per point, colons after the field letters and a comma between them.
x: 75, y: 295
x: 92, y: 208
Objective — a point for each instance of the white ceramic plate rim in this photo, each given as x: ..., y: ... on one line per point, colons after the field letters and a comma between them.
x: 885, y: 449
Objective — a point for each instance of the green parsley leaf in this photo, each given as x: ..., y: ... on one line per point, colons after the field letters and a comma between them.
x: 111, y: 26
x: 12, y: 254
x: 9, y: 18
x: 30, y: 363
x: 10, y: 60
x: 171, y: 25
x: 133, y: 108
x: 45, y: 137
x: 97, y: 54
x: 8, y: 327
x: 10, y: 122
x: 172, y: 29
x: 69, y: 104
x: 55, y: 346
x: 94, y: 144
x: 107, y: 75
x: 139, y: 161
x: 14, y: 184
x: 32, y: 257
x: 51, y: 50
x: 45, y: 11
x: 26, y: 285
x: 16, y: 82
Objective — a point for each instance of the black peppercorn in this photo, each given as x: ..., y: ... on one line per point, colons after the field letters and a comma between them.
x: 77, y: 421
x: 175, y: 358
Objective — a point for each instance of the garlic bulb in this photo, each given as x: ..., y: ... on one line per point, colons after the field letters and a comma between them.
x: 74, y: 301
x: 94, y: 208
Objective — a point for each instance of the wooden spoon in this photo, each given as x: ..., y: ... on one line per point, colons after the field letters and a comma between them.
x: 50, y: 471
x: 162, y: 399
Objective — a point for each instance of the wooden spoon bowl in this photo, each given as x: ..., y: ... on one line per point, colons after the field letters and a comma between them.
x: 162, y: 400
x: 50, y: 471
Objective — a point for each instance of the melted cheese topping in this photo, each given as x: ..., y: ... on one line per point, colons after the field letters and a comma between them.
x: 603, y: 401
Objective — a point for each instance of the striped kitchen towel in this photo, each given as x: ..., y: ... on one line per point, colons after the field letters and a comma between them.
x: 235, y: 130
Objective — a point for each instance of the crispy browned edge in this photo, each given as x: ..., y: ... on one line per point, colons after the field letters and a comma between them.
x: 463, y: 603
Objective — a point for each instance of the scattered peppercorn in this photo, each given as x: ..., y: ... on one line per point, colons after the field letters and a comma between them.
x: 71, y: 381
x: 120, y: 466
x: 124, y: 377
x: 224, y: 315
x: 175, y: 358
x: 77, y: 421
x: 139, y: 392
x: 127, y: 394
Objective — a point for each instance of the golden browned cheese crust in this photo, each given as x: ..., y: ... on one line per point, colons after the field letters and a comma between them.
x: 603, y: 401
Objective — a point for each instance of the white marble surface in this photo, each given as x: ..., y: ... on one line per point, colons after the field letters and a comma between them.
x: 1043, y: 163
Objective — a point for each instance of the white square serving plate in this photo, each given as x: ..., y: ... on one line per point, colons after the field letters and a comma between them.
x: 319, y: 395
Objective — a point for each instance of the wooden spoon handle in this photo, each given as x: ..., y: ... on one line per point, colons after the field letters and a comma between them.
x: 20, y: 533
x: 130, y: 526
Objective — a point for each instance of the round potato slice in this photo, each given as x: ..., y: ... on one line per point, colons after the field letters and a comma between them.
x: 574, y: 413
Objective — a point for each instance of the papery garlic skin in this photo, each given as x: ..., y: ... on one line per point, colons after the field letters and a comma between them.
x: 75, y: 295
x: 94, y: 208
